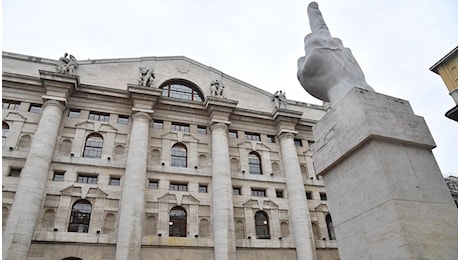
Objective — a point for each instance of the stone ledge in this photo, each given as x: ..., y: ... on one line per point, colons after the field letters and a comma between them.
x: 360, y: 117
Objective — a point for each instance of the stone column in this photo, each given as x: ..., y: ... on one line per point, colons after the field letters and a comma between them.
x: 28, y: 199
x: 222, y: 195
x: 297, y: 202
x: 387, y: 196
x: 132, y: 204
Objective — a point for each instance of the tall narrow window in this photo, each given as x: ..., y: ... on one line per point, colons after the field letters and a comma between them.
x: 330, y: 227
x: 177, y: 222
x: 179, y: 155
x: 262, y: 225
x: 80, y: 217
x: 5, y: 130
x: 255, y: 167
x: 93, y: 146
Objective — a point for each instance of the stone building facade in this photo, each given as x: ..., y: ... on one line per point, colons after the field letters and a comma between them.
x: 155, y: 158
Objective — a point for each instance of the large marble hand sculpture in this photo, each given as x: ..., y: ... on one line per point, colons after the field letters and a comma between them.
x: 328, y: 70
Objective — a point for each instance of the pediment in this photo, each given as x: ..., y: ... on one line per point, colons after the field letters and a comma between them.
x: 14, y: 116
x: 322, y: 207
x: 168, y: 198
x: 84, y: 191
x: 254, y: 146
x: 260, y: 204
x: 190, y: 200
x: 96, y: 126
x: 181, y: 137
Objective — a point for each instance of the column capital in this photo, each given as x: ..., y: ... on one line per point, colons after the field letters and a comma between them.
x: 219, y: 124
x: 144, y: 98
x: 286, y: 119
x: 220, y: 109
x: 283, y: 133
x: 141, y: 115
x: 58, y: 85
x: 61, y: 103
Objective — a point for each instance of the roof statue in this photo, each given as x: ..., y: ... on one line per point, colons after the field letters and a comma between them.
x: 328, y: 70
x: 67, y: 65
x: 146, y: 76
x: 217, y: 89
x: 279, y: 98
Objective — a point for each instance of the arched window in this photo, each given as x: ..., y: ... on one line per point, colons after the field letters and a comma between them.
x: 179, y: 155
x: 177, y: 222
x: 330, y: 227
x: 5, y: 129
x: 80, y: 216
x: 93, y: 146
x: 255, y: 167
x: 181, y: 89
x: 262, y: 225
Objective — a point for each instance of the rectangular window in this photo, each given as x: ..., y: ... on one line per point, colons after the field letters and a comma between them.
x: 178, y: 186
x: 298, y: 142
x: 58, y: 176
x: 35, y: 108
x: 203, y: 188
x: 232, y: 134
x: 279, y: 194
x: 123, y: 120
x: 74, y: 113
x: 10, y: 104
x: 308, y: 195
x: 114, y: 181
x: 202, y: 130
x: 99, y: 116
x: 92, y: 179
x: 15, y: 172
x: 158, y: 124
x: 236, y: 191
x: 180, y: 127
x: 271, y: 139
x: 153, y: 184
x: 258, y: 192
x: 323, y: 196
x: 252, y: 136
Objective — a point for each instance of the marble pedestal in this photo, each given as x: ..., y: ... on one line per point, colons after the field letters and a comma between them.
x: 387, y: 196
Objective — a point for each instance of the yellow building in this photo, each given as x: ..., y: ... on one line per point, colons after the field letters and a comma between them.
x: 447, y: 68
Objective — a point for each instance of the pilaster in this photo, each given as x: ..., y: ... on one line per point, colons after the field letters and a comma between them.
x: 385, y: 191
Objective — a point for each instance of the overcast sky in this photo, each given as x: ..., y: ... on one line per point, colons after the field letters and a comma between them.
x: 258, y: 41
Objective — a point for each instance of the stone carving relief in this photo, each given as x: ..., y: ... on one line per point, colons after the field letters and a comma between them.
x: 67, y: 64
x: 217, y: 89
x: 146, y: 76
x: 328, y: 70
x: 279, y: 98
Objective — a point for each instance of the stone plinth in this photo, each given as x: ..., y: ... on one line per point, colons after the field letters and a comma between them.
x: 386, y: 193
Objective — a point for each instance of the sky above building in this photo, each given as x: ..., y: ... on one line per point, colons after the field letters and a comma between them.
x: 258, y: 41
